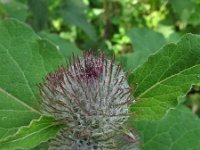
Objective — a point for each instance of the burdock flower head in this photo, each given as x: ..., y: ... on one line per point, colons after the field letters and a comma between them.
x: 91, y: 96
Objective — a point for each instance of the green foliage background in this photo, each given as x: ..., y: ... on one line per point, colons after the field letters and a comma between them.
x: 145, y: 35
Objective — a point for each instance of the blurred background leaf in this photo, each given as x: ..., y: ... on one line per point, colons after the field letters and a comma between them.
x: 39, y: 11
x: 14, y: 9
x: 73, y: 12
x: 186, y: 11
x: 145, y: 43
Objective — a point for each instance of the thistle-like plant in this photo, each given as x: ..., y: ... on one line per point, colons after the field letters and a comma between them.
x: 91, y: 96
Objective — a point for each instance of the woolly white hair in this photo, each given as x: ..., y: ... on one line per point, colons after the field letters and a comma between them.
x: 91, y: 96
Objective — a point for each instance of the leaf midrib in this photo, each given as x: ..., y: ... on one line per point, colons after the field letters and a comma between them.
x: 19, y: 101
x: 157, y: 83
x: 20, y: 69
x: 24, y: 137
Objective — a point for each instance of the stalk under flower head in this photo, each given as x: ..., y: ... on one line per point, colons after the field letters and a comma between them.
x: 91, y: 96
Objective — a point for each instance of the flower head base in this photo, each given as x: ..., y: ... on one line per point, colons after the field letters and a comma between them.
x: 91, y: 96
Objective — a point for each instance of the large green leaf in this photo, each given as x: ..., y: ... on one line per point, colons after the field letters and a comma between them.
x: 25, y: 59
x: 30, y: 136
x: 145, y: 42
x: 166, y: 76
x: 178, y: 130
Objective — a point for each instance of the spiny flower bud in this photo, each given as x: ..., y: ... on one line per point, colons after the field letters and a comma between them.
x: 90, y: 96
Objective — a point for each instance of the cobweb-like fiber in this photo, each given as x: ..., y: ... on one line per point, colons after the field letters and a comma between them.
x: 91, y: 96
